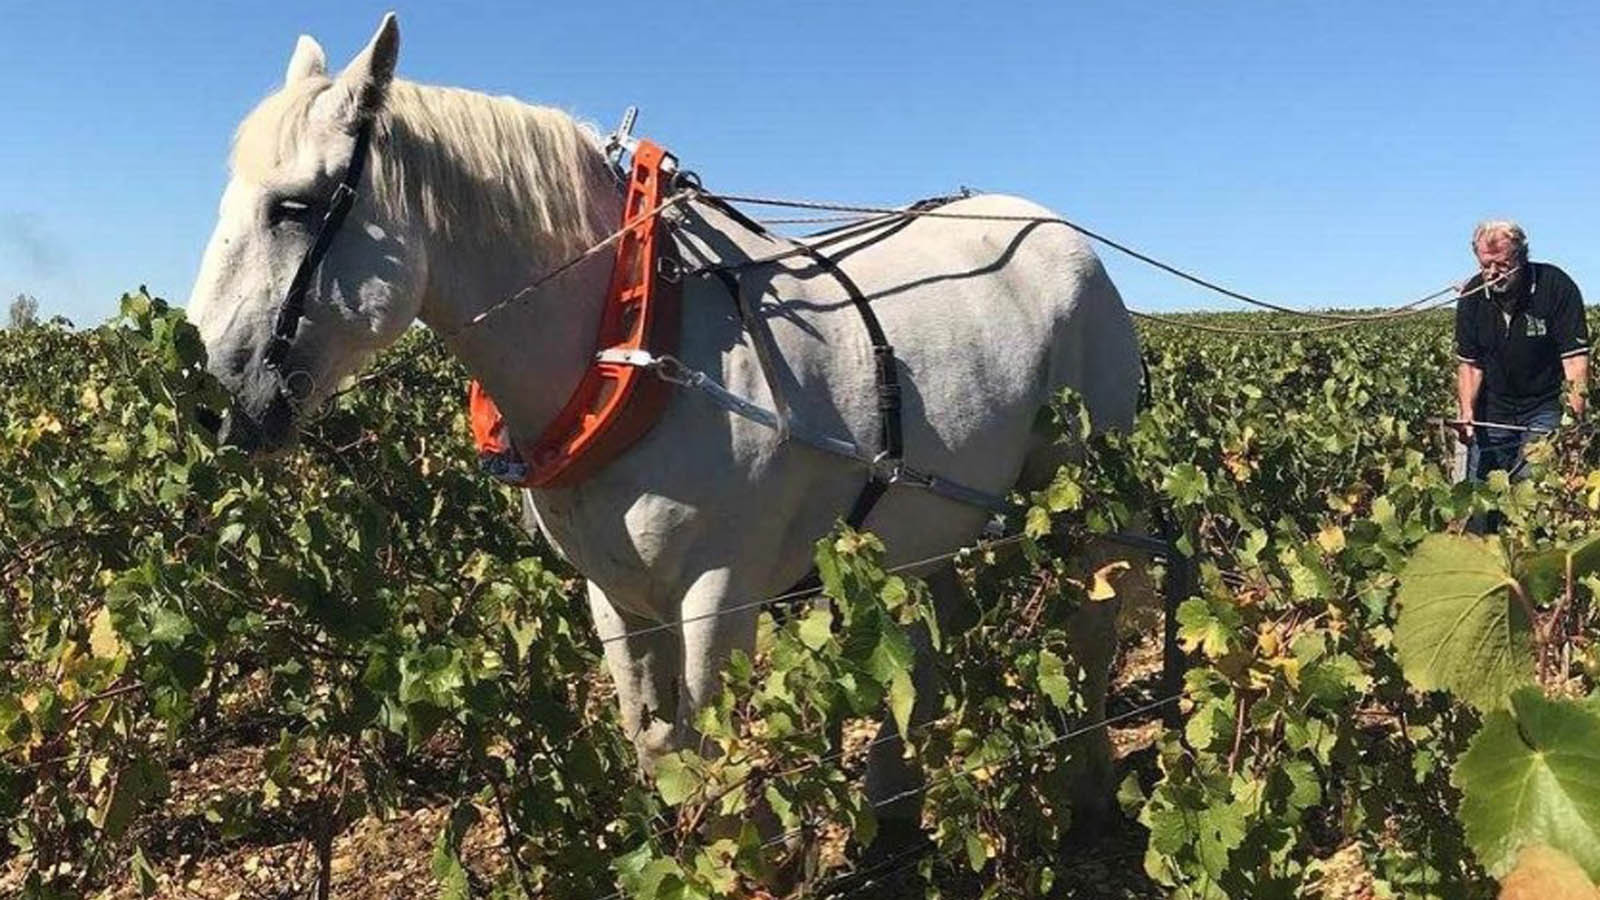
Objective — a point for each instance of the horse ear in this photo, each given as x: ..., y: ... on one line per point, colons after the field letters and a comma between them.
x: 359, y: 91
x: 308, y: 60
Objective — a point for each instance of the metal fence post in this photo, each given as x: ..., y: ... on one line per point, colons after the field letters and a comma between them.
x: 1179, y: 587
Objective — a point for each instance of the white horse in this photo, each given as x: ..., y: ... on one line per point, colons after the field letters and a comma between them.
x: 467, y: 198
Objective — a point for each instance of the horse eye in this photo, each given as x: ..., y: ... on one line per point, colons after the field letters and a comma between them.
x: 291, y: 210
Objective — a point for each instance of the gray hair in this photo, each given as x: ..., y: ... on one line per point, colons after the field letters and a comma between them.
x: 1494, y: 231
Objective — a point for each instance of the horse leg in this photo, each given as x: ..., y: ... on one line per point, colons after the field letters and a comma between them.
x: 894, y: 783
x: 647, y: 672
x: 709, y: 640
x: 1092, y: 637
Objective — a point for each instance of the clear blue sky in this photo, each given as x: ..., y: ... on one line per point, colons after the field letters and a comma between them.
x: 1322, y: 153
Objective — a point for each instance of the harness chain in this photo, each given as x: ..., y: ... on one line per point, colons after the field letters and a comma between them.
x: 766, y: 353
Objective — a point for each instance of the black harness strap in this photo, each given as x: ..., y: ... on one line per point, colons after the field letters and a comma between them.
x: 891, y: 443
x: 294, y: 302
x: 891, y: 436
x: 729, y: 210
x: 891, y: 439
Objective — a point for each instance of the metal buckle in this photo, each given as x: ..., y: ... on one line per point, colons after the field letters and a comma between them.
x: 622, y: 140
x: 344, y: 197
x: 887, y: 469
x: 893, y: 470
x: 626, y: 356
x: 671, y: 369
x: 670, y: 270
x: 686, y: 180
x: 299, y: 376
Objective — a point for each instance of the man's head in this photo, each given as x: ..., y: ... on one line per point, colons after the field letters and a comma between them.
x: 1501, y: 247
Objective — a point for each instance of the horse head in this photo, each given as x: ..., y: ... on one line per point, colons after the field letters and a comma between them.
x: 305, y: 273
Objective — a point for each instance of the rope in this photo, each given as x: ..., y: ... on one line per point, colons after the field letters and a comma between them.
x: 995, y: 544
x: 1398, y: 312
x: 1086, y: 232
x: 1019, y: 754
x: 1499, y: 425
x: 675, y: 199
x: 814, y: 220
x: 1014, y: 757
x: 879, y: 873
x: 866, y: 213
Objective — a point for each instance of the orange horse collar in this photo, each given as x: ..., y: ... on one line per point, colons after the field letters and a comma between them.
x: 614, y: 405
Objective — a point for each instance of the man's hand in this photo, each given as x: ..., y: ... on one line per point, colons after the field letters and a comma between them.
x: 1464, y: 430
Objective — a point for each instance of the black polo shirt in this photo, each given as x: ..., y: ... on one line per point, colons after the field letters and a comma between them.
x: 1520, y: 340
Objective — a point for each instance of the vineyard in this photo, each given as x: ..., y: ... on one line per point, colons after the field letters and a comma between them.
x: 210, y: 658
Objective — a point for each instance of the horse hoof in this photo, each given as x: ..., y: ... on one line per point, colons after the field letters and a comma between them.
x: 888, y: 866
x: 1093, y: 817
x: 895, y: 836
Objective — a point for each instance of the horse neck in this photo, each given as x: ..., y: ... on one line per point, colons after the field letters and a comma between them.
x: 529, y: 353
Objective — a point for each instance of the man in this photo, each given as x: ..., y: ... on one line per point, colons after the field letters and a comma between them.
x: 1520, y: 332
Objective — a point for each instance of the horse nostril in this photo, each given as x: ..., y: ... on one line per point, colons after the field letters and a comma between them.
x: 235, y: 430
x: 209, y: 419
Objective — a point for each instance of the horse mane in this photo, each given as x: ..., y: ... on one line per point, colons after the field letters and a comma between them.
x: 470, y: 167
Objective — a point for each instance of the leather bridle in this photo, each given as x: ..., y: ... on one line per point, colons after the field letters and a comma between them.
x: 293, y: 307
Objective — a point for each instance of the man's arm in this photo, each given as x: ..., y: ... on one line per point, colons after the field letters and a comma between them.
x: 1469, y: 378
x: 1571, y: 334
x: 1469, y: 372
x: 1576, y: 368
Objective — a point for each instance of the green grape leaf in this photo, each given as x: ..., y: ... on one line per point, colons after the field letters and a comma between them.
x: 1545, y: 574
x: 1529, y: 778
x: 1186, y: 484
x: 1460, y: 629
x: 676, y: 778
x: 1053, y: 679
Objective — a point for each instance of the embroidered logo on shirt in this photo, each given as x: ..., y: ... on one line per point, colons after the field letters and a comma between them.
x: 1537, y: 327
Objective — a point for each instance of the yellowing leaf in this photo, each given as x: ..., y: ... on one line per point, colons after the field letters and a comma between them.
x: 902, y: 697
x: 1102, y: 589
x: 676, y: 778
x: 104, y: 642
x: 1290, y: 667
x: 1543, y: 873
x: 1331, y: 538
x: 1267, y: 641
